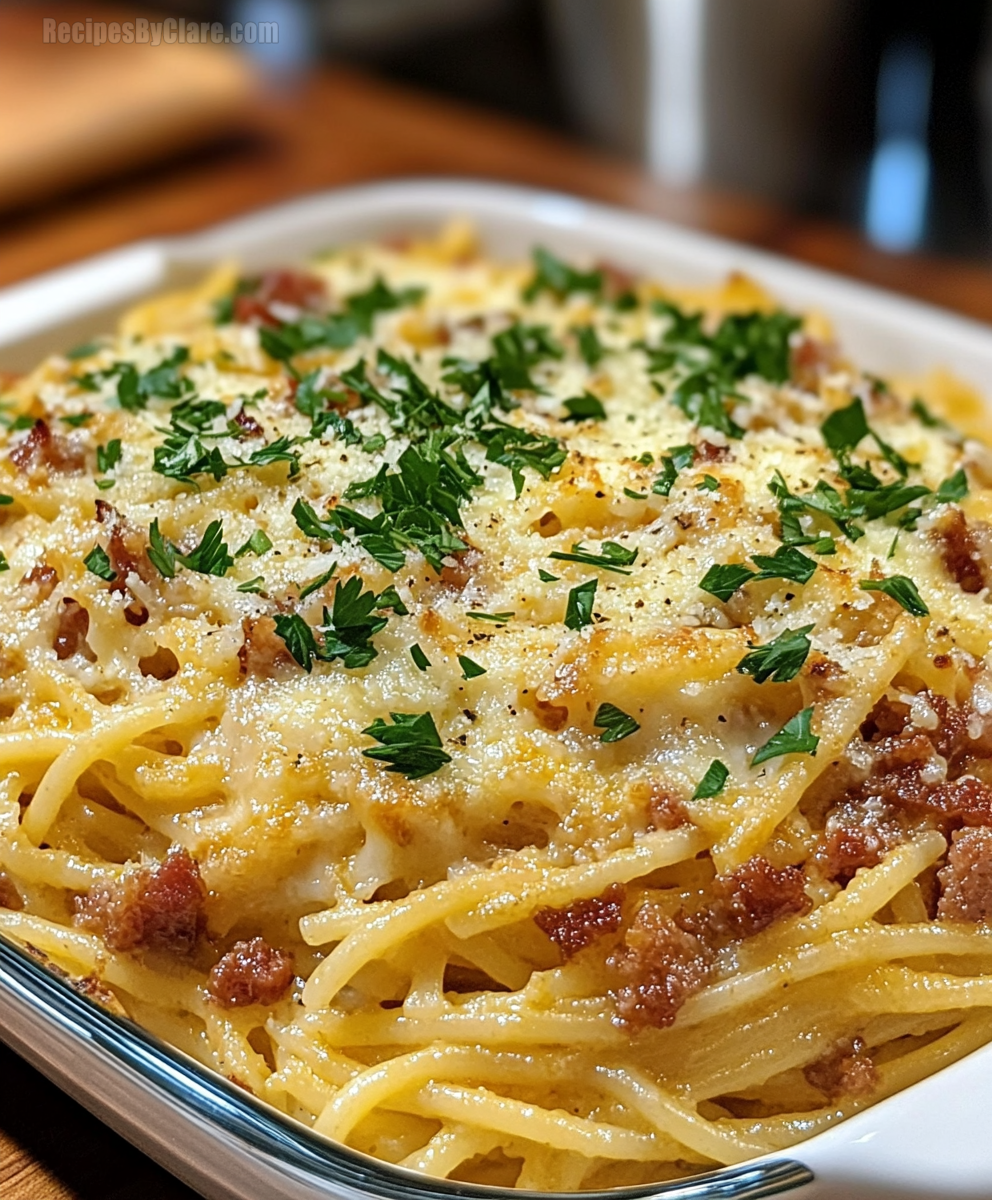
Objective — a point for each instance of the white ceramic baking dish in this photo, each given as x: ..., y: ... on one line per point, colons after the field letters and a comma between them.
x: 930, y: 1142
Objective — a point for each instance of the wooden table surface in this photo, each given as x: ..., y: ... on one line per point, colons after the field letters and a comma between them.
x: 339, y: 128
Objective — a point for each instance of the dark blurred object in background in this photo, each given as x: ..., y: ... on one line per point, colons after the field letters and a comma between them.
x: 877, y: 113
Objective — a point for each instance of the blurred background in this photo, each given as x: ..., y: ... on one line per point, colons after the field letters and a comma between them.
x: 854, y: 133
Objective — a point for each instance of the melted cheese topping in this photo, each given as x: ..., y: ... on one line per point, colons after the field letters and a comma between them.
x: 157, y: 728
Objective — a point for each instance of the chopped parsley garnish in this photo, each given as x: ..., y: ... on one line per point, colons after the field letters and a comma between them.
x: 76, y: 420
x: 925, y: 416
x: 98, y: 562
x: 346, y: 630
x: 338, y: 330
x: 713, y: 782
x: 470, y: 669
x: 258, y: 543
x: 795, y: 737
x: 252, y: 585
x: 161, y: 552
x: 410, y: 746
x: 210, y: 557
x: 845, y: 429
x: 107, y: 457
x: 954, y: 488
x: 316, y: 584
x: 185, y: 453
x: 557, y: 277
x: 902, y: 589
x: 614, y: 722
x: 499, y: 618
x: 723, y: 581
x: 83, y: 351
x: 709, y: 366
x: 586, y: 407
x: 4, y: 565
x: 779, y: 660
x: 578, y: 610
x: 324, y: 530
x: 632, y: 495
x: 590, y: 347
x: 708, y: 483
x: 421, y: 661
x: 134, y: 390
x: 677, y: 459
x: 786, y: 563
x: 5, y: 499
x: 544, y: 576
x: 612, y: 557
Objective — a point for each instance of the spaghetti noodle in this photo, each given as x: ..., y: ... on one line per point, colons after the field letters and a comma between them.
x: 530, y: 724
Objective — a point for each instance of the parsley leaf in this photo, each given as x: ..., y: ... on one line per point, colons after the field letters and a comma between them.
x: 613, y: 557
x: 420, y: 659
x: 349, y: 627
x: 98, y: 562
x: 578, y: 611
x: 258, y: 543
x: 161, y: 552
x: 308, y: 522
x: 211, y: 556
x: 252, y: 585
x: 107, y: 457
x: 411, y: 745
x: 77, y: 420
x: 723, y: 581
x: 778, y: 660
x: 316, y: 584
x: 677, y: 459
x: 83, y: 351
x: 134, y: 390
x: 499, y: 618
x: 544, y: 576
x: 954, y: 488
x: 902, y: 589
x: 470, y: 669
x: 586, y: 407
x: 561, y: 280
x: 786, y: 563
x: 299, y: 639
x: 614, y: 722
x: 708, y: 483
x: 590, y: 347
x: 925, y: 416
x: 713, y: 782
x: 795, y: 737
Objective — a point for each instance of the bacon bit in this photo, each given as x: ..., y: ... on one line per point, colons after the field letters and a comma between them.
x: 552, y: 717
x: 580, y: 924
x: 966, y: 880
x: 659, y: 967
x: 250, y: 428
x: 253, y: 972
x: 41, y: 447
x: 616, y: 280
x: 150, y: 907
x: 127, y: 551
x: 43, y: 577
x: 960, y: 551
x: 263, y: 650
x: 755, y: 896
x: 457, y: 576
x: 708, y: 452
x: 847, y: 1070
x: 666, y: 811
x: 811, y: 359
x: 71, y: 630
x: 857, y: 834
x: 296, y: 289
x: 10, y: 897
